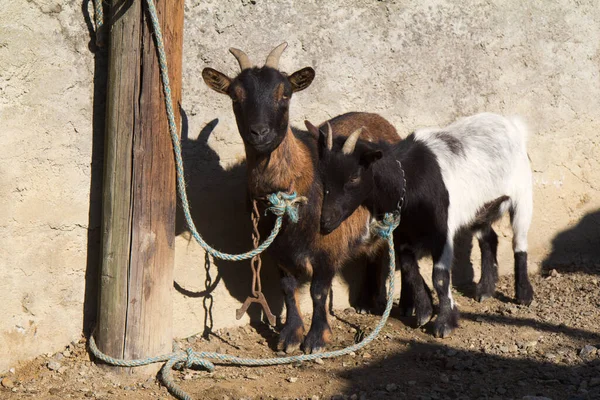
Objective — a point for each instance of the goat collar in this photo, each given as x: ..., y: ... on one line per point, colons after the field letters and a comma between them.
x: 402, y: 201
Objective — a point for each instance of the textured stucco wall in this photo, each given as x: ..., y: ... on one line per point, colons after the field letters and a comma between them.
x: 417, y: 63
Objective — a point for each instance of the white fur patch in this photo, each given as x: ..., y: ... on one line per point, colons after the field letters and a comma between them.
x: 489, y: 160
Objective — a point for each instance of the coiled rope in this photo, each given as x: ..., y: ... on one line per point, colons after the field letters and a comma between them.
x: 190, y: 358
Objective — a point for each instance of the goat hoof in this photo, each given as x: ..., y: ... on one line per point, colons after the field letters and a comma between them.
x: 406, y: 311
x: 445, y: 324
x: 362, y: 310
x: 483, y: 297
x: 524, y: 293
x: 316, y: 341
x: 290, y: 338
x: 424, y: 315
x: 484, y: 291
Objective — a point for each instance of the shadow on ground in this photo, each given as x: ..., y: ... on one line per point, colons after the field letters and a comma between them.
x: 577, y: 248
x: 438, y: 372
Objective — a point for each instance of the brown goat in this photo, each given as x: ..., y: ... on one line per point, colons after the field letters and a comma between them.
x: 280, y: 158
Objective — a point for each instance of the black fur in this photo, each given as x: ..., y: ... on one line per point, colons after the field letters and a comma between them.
x: 523, y: 289
x: 488, y: 243
x: 380, y: 187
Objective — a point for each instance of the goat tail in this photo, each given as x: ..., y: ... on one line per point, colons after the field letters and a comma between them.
x: 521, y: 126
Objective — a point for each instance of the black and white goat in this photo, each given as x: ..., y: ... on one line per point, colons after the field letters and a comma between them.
x: 280, y: 158
x: 463, y: 176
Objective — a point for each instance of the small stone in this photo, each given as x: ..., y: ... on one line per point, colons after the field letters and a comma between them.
x: 187, y: 377
x: 587, y: 351
x: 63, y: 369
x: 352, y: 354
x: 451, y: 352
x: 554, y: 273
x: 292, y: 379
x: 252, y: 377
x: 58, y: 356
x: 191, y: 339
x: 7, y: 383
x: 319, y: 361
x: 513, y: 348
x: 53, y: 365
x: 12, y: 371
x: 412, y: 383
x: 391, y: 387
x: 504, y: 349
x: 127, y: 388
x: 148, y: 384
x: 66, y: 353
x: 501, y: 390
x: 444, y: 378
x: 550, y: 356
x: 367, y: 355
x: 281, y: 354
x: 315, y: 397
x: 354, y: 397
x: 351, y: 310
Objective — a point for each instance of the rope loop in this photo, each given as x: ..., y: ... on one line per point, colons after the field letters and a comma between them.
x: 386, y: 226
x: 284, y: 203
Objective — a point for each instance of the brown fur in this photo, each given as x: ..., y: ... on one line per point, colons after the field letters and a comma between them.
x: 289, y: 168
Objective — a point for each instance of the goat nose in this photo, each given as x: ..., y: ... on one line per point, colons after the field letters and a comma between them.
x: 259, y: 130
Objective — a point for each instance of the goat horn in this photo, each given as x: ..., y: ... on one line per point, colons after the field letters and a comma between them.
x: 329, y: 137
x: 274, y: 55
x: 351, y: 141
x: 241, y: 57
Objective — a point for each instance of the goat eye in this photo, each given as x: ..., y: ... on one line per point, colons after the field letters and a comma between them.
x: 354, y: 180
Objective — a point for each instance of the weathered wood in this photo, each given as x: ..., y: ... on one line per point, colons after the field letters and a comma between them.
x: 135, y: 315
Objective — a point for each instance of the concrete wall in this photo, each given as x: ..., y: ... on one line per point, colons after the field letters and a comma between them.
x: 417, y: 63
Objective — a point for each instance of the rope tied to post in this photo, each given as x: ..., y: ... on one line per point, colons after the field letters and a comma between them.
x: 190, y: 358
x: 282, y: 204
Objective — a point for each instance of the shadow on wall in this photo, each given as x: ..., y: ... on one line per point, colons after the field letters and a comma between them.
x: 220, y: 210
x: 577, y: 248
x: 92, y: 270
x: 434, y: 370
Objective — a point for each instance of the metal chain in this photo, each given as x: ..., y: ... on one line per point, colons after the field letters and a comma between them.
x: 256, y: 261
x: 256, y: 265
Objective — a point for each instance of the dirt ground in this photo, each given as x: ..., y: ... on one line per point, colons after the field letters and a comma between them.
x: 501, y: 351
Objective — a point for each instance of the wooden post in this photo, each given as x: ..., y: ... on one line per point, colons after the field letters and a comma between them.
x: 139, y: 199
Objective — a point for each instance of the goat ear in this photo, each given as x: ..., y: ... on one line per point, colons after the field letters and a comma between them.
x: 216, y: 80
x: 370, y: 157
x: 301, y: 79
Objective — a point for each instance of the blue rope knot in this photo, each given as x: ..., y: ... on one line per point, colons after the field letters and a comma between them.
x: 386, y: 226
x: 191, y: 359
x: 284, y: 203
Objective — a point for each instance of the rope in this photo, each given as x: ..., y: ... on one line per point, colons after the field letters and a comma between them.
x: 190, y: 358
x: 282, y: 204
x: 99, y: 20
